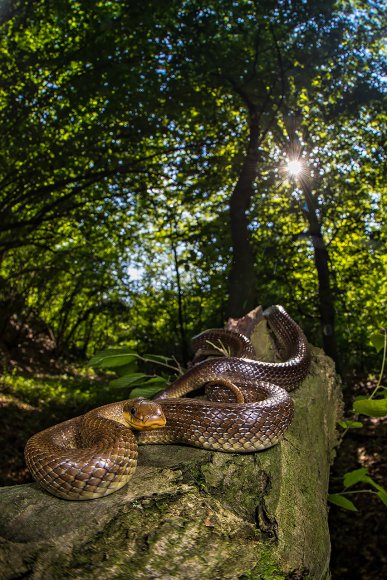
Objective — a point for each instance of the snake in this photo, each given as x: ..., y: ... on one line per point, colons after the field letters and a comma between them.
x: 248, y: 408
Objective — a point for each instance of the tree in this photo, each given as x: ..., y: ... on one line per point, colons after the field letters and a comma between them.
x: 152, y: 137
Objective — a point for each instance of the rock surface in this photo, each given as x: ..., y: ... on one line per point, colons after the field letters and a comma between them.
x: 190, y: 513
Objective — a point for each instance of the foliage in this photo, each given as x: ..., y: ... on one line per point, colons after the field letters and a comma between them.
x: 70, y: 391
x: 373, y: 406
x: 124, y: 363
x: 350, y: 479
x: 124, y: 131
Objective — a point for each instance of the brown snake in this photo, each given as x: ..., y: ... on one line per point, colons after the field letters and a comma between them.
x: 96, y: 454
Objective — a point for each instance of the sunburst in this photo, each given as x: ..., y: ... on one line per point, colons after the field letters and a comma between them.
x: 295, y: 167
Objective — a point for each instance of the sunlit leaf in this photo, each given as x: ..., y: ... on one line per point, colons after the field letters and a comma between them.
x: 147, y: 392
x: 353, y: 477
x: 369, y: 480
x: 111, y: 358
x: 371, y: 407
x: 382, y: 494
x: 157, y: 381
x: 349, y: 424
x: 378, y: 340
x: 112, y: 351
x: 132, y: 379
x: 343, y: 502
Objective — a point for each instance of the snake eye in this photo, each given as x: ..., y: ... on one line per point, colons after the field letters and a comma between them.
x: 133, y: 411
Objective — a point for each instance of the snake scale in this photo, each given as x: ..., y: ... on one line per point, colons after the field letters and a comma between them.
x: 96, y: 454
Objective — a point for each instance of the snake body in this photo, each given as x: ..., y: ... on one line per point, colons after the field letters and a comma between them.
x: 96, y: 454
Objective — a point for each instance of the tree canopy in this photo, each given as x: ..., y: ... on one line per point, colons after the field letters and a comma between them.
x: 143, y: 167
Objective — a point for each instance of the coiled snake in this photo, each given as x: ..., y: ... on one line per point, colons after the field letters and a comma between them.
x: 96, y: 454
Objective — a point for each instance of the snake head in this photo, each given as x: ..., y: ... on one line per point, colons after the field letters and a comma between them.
x: 142, y: 414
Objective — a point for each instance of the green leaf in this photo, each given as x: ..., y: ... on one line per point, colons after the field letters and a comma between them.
x: 145, y: 391
x: 343, y: 502
x: 128, y: 369
x: 116, y: 361
x: 113, y: 350
x: 348, y: 424
x: 371, y: 407
x: 157, y: 358
x: 369, y: 480
x: 127, y: 380
x: 382, y: 494
x: 112, y: 358
x: 353, y: 477
x: 377, y: 340
x: 157, y: 380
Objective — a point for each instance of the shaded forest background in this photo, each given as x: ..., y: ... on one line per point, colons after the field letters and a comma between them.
x: 144, y: 186
x: 143, y: 196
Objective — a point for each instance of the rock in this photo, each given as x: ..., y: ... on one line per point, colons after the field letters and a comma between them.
x: 190, y: 513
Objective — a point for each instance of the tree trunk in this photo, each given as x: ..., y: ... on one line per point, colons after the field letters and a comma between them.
x: 321, y: 260
x: 190, y: 513
x: 242, y: 280
x: 180, y: 308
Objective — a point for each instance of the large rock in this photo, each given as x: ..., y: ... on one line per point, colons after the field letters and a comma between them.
x: 190, y: 513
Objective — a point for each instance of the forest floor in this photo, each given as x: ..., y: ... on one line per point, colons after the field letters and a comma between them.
x: 359, y: 541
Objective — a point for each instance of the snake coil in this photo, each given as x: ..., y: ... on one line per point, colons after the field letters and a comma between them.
x: 249, y: 409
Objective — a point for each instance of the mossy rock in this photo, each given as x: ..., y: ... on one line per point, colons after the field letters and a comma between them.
x: 190, y: 513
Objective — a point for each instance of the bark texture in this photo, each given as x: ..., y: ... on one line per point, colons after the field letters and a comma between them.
x: 190, y: 513
x: 242, y: 280
x: 321, y: 260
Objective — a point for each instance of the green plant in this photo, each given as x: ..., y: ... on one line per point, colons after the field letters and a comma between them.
x: 373, y: 406
x: 66, y: 390
x: 124, y: 363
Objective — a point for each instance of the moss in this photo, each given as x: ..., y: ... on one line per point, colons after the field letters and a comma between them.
x: 243, y: 497
x: 190, y: 513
